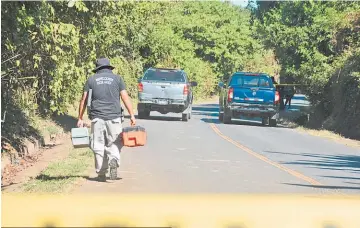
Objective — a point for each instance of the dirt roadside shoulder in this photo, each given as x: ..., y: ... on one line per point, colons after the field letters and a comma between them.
x: 14, y: 176
x: 42, y: 165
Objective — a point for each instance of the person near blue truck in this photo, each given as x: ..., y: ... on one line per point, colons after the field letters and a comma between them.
x: 105, y: 114
x: 249, y: 94
x: 286, y: 93
x: 290, y: 92
x: 280, y: 89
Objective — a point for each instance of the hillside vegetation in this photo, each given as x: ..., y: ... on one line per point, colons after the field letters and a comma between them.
x: 318, y: 45
x: 49, y: 49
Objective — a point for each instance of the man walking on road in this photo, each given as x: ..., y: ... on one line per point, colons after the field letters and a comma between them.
x: 105, y: 115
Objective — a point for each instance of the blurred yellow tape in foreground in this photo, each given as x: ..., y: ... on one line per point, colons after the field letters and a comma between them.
x: 200, y: 211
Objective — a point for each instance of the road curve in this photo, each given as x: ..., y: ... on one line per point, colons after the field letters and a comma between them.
x: 205, y: 156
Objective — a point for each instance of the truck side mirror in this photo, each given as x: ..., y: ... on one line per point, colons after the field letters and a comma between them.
x: 221, y: 85
x: 193, y: 83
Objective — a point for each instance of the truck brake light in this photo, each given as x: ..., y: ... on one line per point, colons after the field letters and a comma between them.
x: 140, y: 87
x: 230, y: 94
x: 277, y: 97
x: 186, y: 90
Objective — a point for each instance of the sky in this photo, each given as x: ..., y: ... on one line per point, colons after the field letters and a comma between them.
x: 242, y: 3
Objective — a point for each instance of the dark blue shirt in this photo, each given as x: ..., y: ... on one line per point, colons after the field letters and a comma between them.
x: 105, y: 100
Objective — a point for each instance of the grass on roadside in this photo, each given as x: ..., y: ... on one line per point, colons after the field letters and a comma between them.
x: 330, y: 135
x: 59, y: 176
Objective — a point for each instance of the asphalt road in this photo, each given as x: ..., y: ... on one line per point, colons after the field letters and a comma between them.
x: 205, y: 156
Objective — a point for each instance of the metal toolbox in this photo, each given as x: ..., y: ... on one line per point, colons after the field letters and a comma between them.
x: 80, y: 137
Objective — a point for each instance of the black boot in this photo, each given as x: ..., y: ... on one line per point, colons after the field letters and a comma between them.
x: 101, y: 178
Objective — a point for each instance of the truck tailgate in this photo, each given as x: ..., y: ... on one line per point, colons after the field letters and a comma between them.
x: 253, y: 95
x: 163, y: 90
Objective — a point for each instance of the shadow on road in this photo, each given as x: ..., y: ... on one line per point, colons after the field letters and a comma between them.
x: 205, y: 109
x: 206, y: 105
x: 324, y: 186
x: 350, y: 178
x: 212, y: 110
x: 44, y: 177
x: 240, y: 122
x: 330, y: 162
x: 234, y: 122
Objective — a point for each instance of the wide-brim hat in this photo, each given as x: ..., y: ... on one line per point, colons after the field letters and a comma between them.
x: 102, y: 63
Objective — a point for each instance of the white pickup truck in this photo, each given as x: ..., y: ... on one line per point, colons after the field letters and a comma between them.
x: 165, y: 91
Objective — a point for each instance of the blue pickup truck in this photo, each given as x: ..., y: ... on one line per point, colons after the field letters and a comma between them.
x: 249, y: 94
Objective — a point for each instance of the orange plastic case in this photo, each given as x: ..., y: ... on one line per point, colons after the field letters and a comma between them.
x: 133, y: 136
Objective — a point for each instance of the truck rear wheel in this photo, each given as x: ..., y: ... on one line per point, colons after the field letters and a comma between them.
x: 143, y: 114
x: 226, y: 118
x: 264, y: 121
x: 272, y: 122
x: 185, y: 117
x: 221, y: 116
x: 190, y: 111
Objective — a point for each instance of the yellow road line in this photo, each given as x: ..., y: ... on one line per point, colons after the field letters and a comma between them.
x: 265, y: 159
